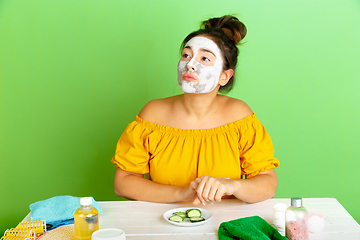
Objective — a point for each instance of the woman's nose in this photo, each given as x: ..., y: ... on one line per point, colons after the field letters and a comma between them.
x: 191, y: 66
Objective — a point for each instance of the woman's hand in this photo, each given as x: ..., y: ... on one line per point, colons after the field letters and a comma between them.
x: 211, y: 189
x: 255, y: 189
x: 187, y: 194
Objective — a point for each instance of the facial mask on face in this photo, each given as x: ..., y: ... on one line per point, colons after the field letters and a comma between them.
x: 208, y: 75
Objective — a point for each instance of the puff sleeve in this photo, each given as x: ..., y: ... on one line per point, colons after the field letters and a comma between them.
x: 257, y: 151
x: 132, y: 154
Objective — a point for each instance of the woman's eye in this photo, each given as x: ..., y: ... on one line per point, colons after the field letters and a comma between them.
x: 185, y: 55
x: 205, y: 59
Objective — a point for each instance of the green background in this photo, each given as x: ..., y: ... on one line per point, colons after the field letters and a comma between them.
x: 74, y: 73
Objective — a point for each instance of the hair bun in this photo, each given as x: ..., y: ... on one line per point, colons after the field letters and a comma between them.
x: 234, y: 29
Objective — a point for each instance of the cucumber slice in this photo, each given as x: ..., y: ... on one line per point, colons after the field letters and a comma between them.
x: 176, y: 218
x: 194, y: 212
x: 197, y: 219
x: 181, y: 214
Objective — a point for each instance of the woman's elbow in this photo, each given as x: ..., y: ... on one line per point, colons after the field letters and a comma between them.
x: 273, y: 185
x: 124, y: 183
x: 117, y: 191
x: 270, y: 183
x: 118, y: 179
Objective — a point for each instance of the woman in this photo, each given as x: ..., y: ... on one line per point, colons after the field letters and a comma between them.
x: 199, y: 146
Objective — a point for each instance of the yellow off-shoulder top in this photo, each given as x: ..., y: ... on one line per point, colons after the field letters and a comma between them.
x: 178, y: 156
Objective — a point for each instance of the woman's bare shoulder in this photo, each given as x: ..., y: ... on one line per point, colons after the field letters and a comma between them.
x: 155, y: 110
x: 236, y: 109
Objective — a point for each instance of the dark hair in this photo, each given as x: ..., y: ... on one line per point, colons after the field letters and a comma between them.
x: 226, y: 32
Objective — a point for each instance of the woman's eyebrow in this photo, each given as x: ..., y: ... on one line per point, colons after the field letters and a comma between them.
x: 207, y: 50
x: 201, y: 49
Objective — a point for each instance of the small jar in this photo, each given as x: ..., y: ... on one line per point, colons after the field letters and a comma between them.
x: 296, y: 221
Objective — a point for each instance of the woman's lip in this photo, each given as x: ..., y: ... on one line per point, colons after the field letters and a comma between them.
x: 189, y: 77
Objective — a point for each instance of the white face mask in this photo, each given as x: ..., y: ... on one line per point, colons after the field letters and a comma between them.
x: 208, y: 76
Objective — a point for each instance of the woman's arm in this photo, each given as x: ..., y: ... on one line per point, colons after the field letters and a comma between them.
x: 134, y: 186
x: 255, y: 189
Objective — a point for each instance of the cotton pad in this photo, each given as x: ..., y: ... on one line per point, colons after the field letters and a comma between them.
x: 316, y: 223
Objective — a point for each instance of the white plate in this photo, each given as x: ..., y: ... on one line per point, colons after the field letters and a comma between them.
x: 186, y: 223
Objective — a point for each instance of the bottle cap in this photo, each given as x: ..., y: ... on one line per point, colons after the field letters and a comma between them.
x: 86, y: 201
x: 296, y: 202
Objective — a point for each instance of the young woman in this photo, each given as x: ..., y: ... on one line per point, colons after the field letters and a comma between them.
x: 199, y: 146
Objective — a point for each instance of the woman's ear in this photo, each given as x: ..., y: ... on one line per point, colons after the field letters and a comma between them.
x: 225, y: 76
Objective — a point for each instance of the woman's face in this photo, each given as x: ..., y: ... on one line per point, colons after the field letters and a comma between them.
x: 200, y: 66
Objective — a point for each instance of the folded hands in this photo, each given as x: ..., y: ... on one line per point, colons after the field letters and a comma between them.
x: 211, y: 189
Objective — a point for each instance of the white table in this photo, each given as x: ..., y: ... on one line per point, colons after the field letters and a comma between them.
x: 144, y: 220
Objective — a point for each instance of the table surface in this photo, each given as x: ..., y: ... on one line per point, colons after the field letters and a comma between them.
x: 144, y: 220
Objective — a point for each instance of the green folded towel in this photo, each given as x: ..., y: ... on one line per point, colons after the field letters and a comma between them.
x: 249, y: 228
